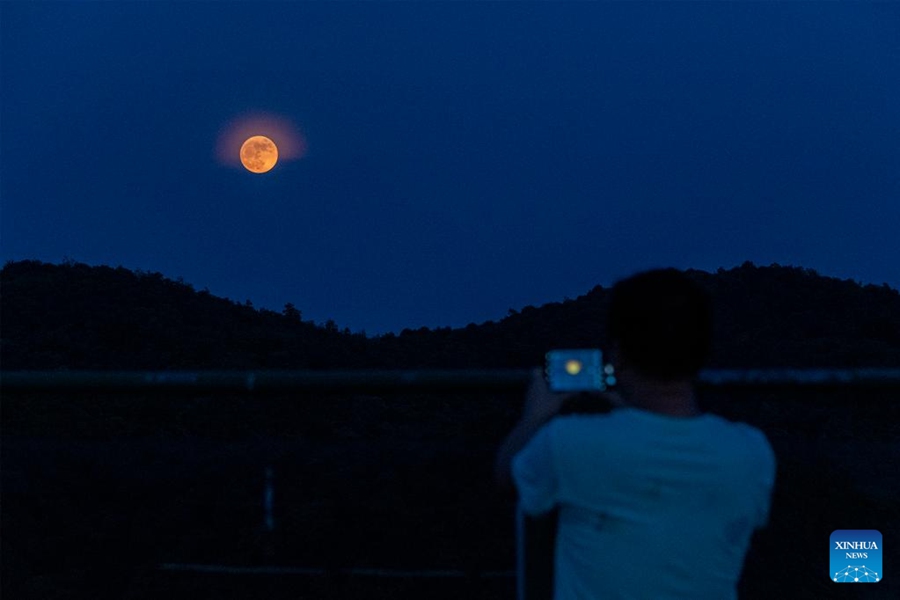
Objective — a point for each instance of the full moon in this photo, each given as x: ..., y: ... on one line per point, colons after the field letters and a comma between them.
x: 573, y: 367
x: 259, y: 154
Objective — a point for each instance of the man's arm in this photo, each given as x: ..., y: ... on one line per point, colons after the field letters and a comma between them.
x: 541, y: 405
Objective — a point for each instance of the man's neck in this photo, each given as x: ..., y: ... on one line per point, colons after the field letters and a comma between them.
x: 672, y: 398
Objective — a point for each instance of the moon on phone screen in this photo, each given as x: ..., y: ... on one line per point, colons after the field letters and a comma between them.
x: 573, y: 367
x: 259, y: 154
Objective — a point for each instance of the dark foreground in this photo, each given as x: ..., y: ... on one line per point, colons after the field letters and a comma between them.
x: 365, y: 504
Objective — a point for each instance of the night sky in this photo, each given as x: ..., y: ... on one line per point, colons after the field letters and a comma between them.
x: 448, y: 161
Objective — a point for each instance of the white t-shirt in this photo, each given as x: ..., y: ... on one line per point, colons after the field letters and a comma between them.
x: 650, y: 506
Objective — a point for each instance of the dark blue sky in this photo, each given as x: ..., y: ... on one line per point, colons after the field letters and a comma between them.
x: 463, y: 158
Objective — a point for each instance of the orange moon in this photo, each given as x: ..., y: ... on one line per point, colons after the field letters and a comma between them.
x: 259, y: 154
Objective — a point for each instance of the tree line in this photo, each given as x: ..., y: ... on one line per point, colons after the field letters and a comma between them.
x: 76, y: 316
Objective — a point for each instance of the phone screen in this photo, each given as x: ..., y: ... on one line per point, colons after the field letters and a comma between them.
x: 576, y: 371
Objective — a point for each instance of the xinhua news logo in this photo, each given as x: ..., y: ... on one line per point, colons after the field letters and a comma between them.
x: 856, y: 556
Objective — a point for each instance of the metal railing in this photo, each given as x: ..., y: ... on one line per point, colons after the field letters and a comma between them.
x: 272, y: 382
x: 277, y: 382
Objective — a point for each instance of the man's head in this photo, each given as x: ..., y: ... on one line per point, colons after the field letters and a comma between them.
x: 660, y: 321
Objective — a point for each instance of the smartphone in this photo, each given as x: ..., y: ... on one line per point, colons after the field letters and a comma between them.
x: 578, y: 371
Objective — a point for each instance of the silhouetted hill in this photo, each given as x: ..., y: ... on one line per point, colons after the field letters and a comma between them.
x: 81, y: 317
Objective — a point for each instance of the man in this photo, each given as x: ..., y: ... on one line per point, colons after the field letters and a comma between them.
x: 655, y: 499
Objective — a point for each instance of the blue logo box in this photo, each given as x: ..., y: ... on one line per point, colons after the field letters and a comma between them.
x: 856, y: 556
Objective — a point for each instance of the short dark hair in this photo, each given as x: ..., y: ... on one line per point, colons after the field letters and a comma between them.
x: 662, y: 321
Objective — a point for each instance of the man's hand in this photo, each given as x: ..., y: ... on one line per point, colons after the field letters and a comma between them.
x: 541, y: 404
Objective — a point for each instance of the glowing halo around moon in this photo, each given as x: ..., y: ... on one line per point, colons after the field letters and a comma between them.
x: 259, y: 154
x: 286, y: 138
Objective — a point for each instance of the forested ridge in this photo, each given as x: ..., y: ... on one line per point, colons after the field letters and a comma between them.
x: 77, y: 316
